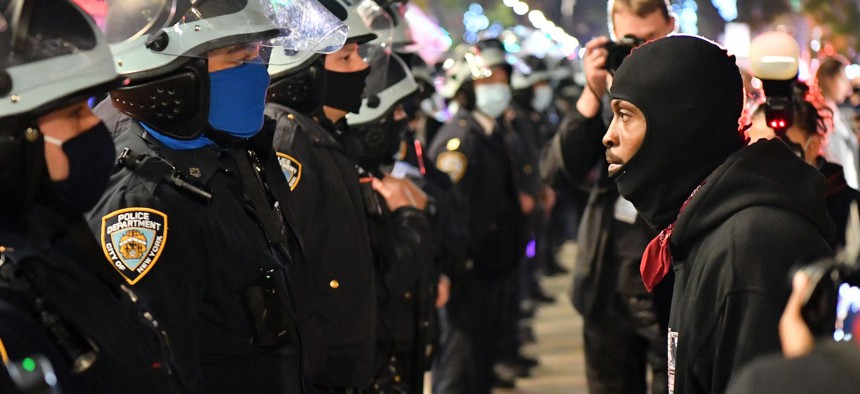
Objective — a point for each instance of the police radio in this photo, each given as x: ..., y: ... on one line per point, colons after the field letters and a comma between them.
x: 774, y: 58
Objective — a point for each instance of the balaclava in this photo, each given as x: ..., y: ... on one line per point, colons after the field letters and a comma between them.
x: 691, y: 94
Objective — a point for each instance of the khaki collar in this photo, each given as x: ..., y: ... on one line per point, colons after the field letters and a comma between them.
x: 487, y: 123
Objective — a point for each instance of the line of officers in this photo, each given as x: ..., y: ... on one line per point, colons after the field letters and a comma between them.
x: 251, y: 208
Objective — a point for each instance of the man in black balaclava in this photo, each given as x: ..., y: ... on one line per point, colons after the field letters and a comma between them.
x: 733, y: 220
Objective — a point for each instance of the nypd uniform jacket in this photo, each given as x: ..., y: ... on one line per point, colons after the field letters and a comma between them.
x: 192, y: 260
x: 480, y: 168
x: 403, y: 239
x: 48, y: 285
x: 333, y: 222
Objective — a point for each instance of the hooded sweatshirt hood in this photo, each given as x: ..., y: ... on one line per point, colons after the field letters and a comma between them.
x: 691, y: 94
x: 767, y: 174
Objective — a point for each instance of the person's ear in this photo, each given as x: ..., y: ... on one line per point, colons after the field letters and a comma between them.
x: 673, y: 21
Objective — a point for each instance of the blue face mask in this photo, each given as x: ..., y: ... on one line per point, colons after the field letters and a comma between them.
x: 237, y: 99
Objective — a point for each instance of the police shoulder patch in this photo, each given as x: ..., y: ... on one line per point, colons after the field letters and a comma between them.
x: 133, y: 239
x: 292, y: 169
x: 452, y: 163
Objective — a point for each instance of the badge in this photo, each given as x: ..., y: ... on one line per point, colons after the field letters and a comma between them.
x: 292, y: 169
x: 452, y: 163
x: 132, y: 239
x: 4, y: 357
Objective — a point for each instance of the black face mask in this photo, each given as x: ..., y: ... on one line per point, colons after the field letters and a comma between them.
x: 375, y: 143
x: 343, y: 90
x: 691, y: 95
x: 91, y: 158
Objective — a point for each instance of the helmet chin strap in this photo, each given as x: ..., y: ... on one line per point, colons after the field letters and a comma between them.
x: 302, y: 90
x: 176, y: 105
x: 23, y: 172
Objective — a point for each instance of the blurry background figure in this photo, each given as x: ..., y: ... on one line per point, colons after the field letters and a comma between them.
x: 805, y: 137
x: 472, y: 148
x: 532, y: 99
x: 841, y: 145
x: 568, y: 81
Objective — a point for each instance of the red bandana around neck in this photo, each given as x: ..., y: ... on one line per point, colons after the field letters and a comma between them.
x: 657, y: 258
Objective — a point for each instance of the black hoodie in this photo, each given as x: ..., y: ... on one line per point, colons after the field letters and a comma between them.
x: 758, y: 214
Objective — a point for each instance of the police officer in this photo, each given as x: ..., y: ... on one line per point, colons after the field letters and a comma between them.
x: 471, y: 148
x: 338, y: 194
x: 65, y: 324
x: 332, y: 219
x: 401, y: 235
x: 197, y: 218
x: 532, y: 97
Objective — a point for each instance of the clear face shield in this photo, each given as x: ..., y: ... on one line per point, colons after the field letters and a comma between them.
x: 388, y: 83
x: 258, y: 31
x: 377, y: 21
x: 123, y: 21
x: 398, y: 35
x: 128, y: 25
x: 315, y: 30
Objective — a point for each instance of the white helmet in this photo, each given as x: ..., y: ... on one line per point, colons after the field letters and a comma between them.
x: 45, y: 62
x: 199, y: 26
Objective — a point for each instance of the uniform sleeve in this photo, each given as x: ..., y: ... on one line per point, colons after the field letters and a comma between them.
x: 574, y: 150
x: 154, y: 240
x: 411, y: 248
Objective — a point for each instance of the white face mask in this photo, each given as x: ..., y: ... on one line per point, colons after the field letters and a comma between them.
x: 493, y: 99
x: 542, y: 98
x: 453, y: 107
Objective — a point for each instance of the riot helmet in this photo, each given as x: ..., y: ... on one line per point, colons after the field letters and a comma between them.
x: 45, y: 66
x: 531, y: 84
x: 375, y: 131
x: 169, y: 70
x: 477, y: 62
x: 471, y: 63
x: 299, y: 82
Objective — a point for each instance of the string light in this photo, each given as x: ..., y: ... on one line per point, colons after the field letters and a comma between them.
x: 474, y: 21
